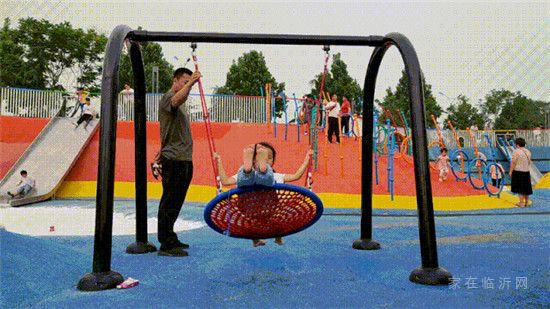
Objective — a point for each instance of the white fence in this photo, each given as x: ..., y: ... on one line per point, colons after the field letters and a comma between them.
x: 29, y: 102
x: 222, y: 108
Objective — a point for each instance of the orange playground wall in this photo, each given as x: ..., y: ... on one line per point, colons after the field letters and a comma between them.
x: 230, y: 138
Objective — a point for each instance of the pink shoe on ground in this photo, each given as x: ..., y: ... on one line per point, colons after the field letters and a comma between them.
x: 128, y: 283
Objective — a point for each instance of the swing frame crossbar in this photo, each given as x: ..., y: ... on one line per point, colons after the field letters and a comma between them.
x: 102, y: 277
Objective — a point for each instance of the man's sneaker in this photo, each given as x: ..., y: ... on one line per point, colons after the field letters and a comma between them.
x: 176, y: 251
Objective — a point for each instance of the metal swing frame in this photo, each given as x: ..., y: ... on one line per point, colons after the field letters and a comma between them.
x: 102, y: 277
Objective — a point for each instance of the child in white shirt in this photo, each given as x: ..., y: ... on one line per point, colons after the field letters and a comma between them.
x: 257, y: 169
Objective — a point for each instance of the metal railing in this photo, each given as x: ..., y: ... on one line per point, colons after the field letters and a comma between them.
x: 533, y: 138
x: 29, y: 102
x: 44, y: 104
x: 222, y: 108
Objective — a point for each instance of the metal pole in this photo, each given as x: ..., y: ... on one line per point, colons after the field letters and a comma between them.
x: 365, y: 242
x: 142, y: 245
x: 103, y: 277
x: 429, y: 272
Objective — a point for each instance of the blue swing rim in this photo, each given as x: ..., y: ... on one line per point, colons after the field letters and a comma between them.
x: 222, y: 196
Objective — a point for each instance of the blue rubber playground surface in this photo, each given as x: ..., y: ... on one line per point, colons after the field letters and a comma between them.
x: 499, y: 259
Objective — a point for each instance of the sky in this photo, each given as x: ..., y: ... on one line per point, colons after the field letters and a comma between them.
x: 464, y: 48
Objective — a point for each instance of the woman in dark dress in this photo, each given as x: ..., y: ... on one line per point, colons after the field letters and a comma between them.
x: 519, y: 172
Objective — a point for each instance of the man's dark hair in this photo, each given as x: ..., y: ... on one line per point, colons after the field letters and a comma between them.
x: 88, y: 99
x: 179, y: 72
x: 270, y: 147
x: 23, y: 172
x: 520, y: 141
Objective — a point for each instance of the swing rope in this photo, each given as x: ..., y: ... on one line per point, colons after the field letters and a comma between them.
x: 309, y: 178
x: 206, y: 117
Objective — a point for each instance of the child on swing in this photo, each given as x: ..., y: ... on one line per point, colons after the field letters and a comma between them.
x: 257, y: 169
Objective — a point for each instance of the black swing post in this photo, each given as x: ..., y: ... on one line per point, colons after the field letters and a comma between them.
x: 102, y: 277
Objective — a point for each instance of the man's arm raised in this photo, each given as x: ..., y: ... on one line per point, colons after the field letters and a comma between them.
x: 181, y: 96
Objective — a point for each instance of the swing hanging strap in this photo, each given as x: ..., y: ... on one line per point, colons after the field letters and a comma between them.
x: 206, y: 118
x: 309, y: 178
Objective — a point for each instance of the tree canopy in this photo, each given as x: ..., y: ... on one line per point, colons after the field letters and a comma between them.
x: 399, y: 100
x: 38, y: 53
x: 463, y: 114
x: 152, y: 57
x: 520, y: 112
x: 339, y: 82
x: 248, y: 74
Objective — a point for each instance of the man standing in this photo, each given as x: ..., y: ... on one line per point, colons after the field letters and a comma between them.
x: 176, y: 156
x: 345, y: 109
x: 333, y: 109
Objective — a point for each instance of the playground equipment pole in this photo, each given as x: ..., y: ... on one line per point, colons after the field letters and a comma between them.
x: 268, y: 106
x: 340, y: 146
x: 391, y: 166
x: 325, y: 151
x: 296, y: 116
x: 262, y: 107
x: 314, y: 136
x: 458, y: 146
x: 375, y: 147
x: 388, y: 145
x: 273, y: 110
x: 407, y: 131
x: 283, y: 97
x: 439, y: 136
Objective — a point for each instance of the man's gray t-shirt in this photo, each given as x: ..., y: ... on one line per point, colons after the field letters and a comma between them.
x: 175, y: 131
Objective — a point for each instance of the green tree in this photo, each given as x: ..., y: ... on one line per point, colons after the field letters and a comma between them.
x: 463, y: 115
x: 520, y: 112
x: 14, y: 71
x: 494, y: 102
x: 152, y: 57
x: 248, y: 74
x: 399, y: 100
x: 339, y: 82
x: 47, y: 52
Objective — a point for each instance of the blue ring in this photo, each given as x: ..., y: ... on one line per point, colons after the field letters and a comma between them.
x: 466, y: 158
x: 482, y: 176
x: 487, y: 169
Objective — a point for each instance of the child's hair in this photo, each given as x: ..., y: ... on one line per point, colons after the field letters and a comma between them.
x: 23, y: 172
x: 520, y: 141
x: 266, y: 145
x: 444, y: 150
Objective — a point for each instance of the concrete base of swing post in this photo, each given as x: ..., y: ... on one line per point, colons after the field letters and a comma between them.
x: 366, y: 244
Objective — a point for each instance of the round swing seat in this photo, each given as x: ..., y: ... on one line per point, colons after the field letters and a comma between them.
x: 258, y: 212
